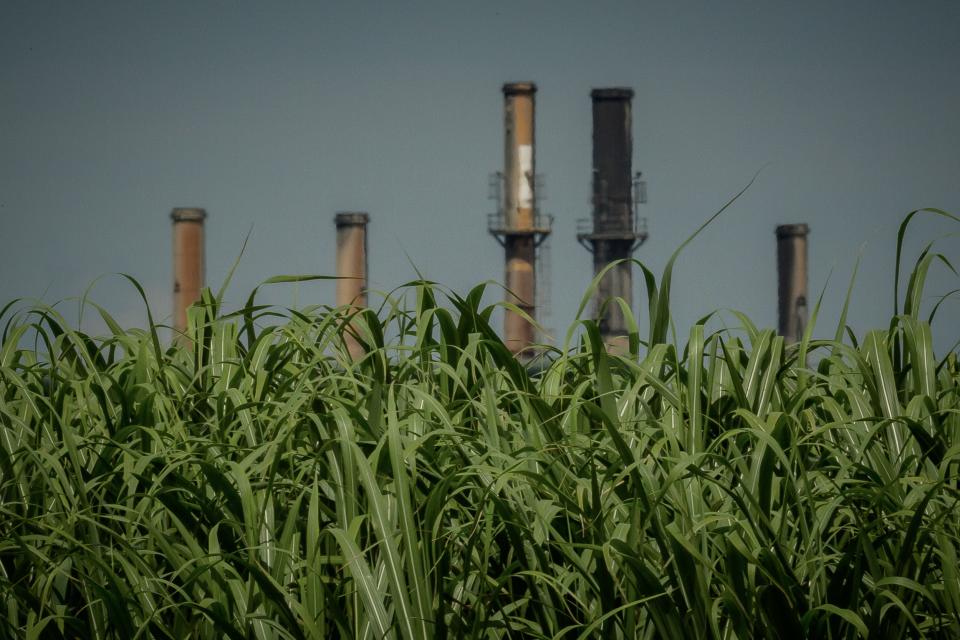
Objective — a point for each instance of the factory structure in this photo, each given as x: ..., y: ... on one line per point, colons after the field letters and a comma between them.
x: 517, y: 223
x: 352, y: 271
x: 351, y: 268
x: 792, y: 280
x: 614, y: 231
x: 611, y: 234
x: 189, y: 263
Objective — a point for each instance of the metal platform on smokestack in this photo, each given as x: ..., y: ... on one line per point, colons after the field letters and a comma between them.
x: 604, y: 226
x: 501, y: 226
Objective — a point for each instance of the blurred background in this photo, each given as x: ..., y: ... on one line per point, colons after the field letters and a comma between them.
x: 275, y: 116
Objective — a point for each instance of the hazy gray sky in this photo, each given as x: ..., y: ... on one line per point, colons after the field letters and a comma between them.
x: 277, y: 115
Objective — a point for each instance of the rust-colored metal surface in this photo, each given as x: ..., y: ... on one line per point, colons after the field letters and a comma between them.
x: 792, y: 280
x: 188, y: 262
x: 518, y: 333
x: 352, y: 267
x: 520, y: 228
x: 519, y: 158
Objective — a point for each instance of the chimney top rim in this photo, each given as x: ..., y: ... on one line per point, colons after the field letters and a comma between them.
x: 515, y: 88
x: 345, y: 218
x: 789, y: 230
x: 188, y: 214
x: 612, y: 93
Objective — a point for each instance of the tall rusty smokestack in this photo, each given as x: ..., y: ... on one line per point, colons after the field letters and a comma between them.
x: 792, y: 280
x: 517, y: 224
x: 352, y: 266
x: 188, y: 262
x: 614, y: 231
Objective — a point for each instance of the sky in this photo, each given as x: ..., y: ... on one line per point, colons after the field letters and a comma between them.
x: 274, y: 116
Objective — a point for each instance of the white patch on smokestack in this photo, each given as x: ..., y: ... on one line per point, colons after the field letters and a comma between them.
x: 525, y: 195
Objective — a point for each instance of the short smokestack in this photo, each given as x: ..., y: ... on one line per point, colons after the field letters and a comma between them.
x: 792, y: 280
x: 188, y: 262
x: 517, y: 224
x: 613, y: 233
x: 352, y: 267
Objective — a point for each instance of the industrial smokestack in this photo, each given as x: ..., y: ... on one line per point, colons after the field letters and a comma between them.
x: 352, y: 267
x: 188, y: 262
x: 792, y: 276
x: 517, y: 224
x: 614, y: 231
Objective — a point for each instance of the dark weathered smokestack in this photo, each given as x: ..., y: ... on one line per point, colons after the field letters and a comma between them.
x: 188, y: 262
x: 352, y: 267
x: 615, y: 233
x: 517, y: 224
x: 792, y: 280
